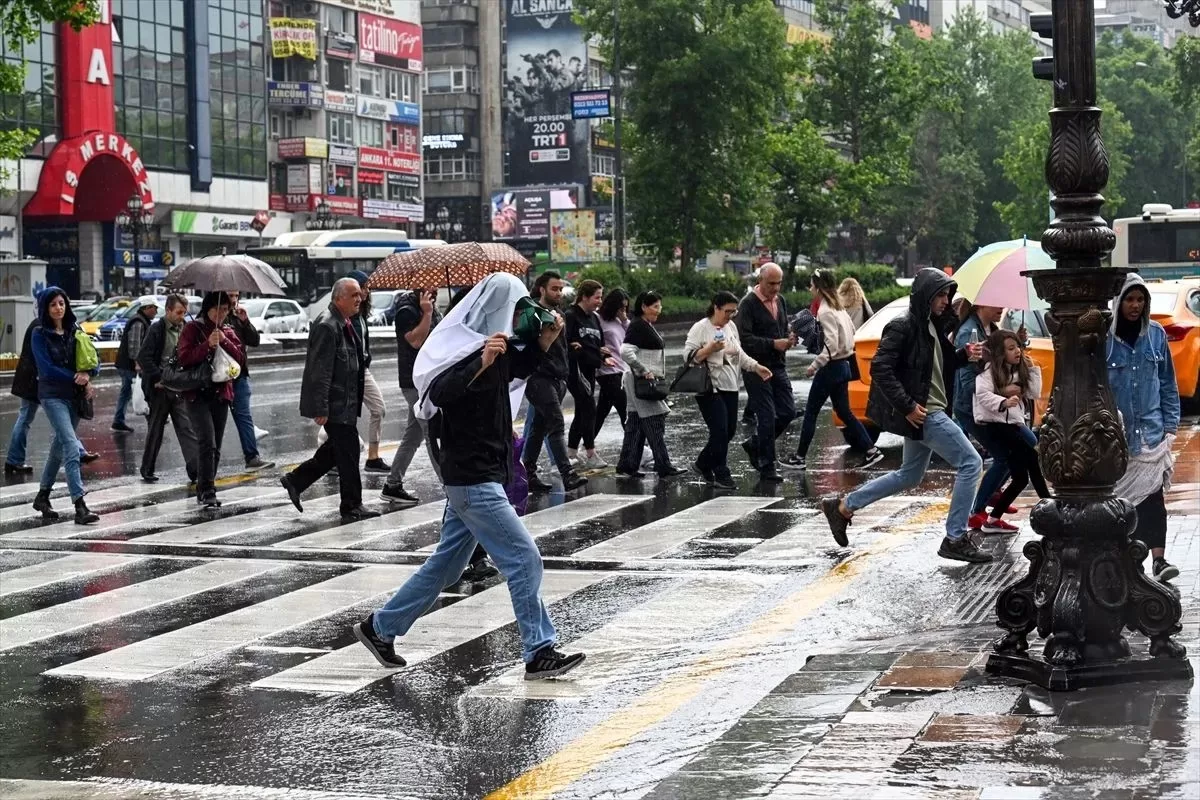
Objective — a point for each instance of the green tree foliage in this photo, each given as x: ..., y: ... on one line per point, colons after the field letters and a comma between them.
x: 1185, y: 89
x: 805, y: 172
x: 709, y: 77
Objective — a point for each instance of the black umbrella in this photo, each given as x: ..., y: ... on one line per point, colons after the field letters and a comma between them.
x: 222, y: 273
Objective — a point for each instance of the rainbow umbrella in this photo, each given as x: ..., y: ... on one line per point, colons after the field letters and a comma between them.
x: 992, y: 277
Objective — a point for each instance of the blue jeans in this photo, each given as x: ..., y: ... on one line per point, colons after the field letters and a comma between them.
x: 832, y: 382
x: 945, y: 438
x: 64, y: 447
x: 20, y: 433
x: 479, y: 513
x: 530, y: 413
x: 240, y: 410
x: 127, y: 376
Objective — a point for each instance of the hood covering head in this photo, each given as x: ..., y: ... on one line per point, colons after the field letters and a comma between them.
x: 1132, y: 281
x: 927, y: 285
x: 43, y: 300
x: 487, y: 309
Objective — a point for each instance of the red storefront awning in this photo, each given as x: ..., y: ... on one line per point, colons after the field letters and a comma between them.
x: 89, y: 178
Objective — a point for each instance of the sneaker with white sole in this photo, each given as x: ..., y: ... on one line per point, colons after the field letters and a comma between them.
x: 874, y: 456
x: 260, y: 432
x: 1164, y: 570
x: 383, y: 651
x: 594, y: 461
x: 550, y: 663
x: 994, y: 525
x: 793, y: 462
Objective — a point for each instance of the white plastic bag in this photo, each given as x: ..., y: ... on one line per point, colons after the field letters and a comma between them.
x: 138, y: 403
x: 224, y: 367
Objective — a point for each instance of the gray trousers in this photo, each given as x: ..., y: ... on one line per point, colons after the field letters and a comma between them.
x: 416, y: 430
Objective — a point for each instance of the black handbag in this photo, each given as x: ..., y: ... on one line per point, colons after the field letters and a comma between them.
x: 650, y: 389
x: 692, y: 378
x: 84, y: 407
x: 190, y: 379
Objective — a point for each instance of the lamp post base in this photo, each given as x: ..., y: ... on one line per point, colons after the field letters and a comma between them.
x: 1035, y: 669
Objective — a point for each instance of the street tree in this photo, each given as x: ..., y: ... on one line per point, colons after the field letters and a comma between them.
x: 21, y: 24
x: 1185, y: 87
x: 707, y: 77
x: 805, y: 175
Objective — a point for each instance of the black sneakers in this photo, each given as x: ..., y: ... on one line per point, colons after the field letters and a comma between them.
x: 794, y: 461
x: 377, y: 465
x: 1164, y: 570
x: 874, y: 456
x: 837, y: 523
x: 963, y: 549
x: 572, y: 481
x: 395, y: 493
x: 383, y: 651
x: 359, y: 513
x: 479, y: 571
x: 536, y: 484
x: 549, y: 663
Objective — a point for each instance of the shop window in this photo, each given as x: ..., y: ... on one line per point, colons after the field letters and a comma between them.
x: 340, y: 75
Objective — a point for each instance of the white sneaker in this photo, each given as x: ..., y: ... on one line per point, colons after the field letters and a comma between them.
x: 260, y: 433
x: 594, y: 461
x: 573, y: 456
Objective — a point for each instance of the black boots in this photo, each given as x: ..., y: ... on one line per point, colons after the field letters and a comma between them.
x: 83, y: 516
x: 42, y: 503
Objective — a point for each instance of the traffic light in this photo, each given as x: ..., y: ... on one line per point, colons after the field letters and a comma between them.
x: 1043, y: 26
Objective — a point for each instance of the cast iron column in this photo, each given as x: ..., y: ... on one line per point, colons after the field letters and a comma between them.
x: 1085, y: 583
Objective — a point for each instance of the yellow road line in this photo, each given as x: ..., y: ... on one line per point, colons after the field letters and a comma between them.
x: 603, y: 741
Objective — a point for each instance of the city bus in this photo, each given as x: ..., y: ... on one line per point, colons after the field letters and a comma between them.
x: 310, y: 261
x: 1162, y: 243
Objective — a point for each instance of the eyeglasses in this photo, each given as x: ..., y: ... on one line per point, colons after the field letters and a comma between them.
x: 729, y: 313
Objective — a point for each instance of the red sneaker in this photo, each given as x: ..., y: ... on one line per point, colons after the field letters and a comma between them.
x: 976, y: 521
x: 995, y: 498
x: 998, y: 526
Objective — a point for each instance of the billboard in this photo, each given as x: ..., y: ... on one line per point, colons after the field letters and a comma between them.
x: 293, y: 37
x: 389, y: 42
x: 523, y: 214
x: 546, y: 62
x: 593, y: 104
x: 574, y: 238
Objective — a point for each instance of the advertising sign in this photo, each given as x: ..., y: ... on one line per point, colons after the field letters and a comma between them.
x: 203, y: 223
x: 396, y: 9
x: 573, y: 237
x: 388, y: 160
x: 303, y: 178
x: 304, y: 147
x: 521, y: 214
x: 8, y: 234
x: 389, y: 110
x: 340, y: 101
x: 392, y: 210
x: 343, y: 154
x: 389, y: 42
x: 291, y: 93
x: 547, y: 61
x: 592, y: 104
x: 341, y: 45
x: 293, y: 37
x: 444, y: 141
x: 405, y: 138
x: 340, y: 206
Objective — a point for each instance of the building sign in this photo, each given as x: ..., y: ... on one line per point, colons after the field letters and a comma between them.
x: 797, y: 34
x: 388, y: 160
x: 547, y: 61
x: 341, y: 180
x: 444, y: 141
x: 304, y: 147
x: 385, y: 8
x: 293, y: 37
x: 389, y: 110
x: 291, y: 93
x: 389, y: 42
x: 8, y: 234
x: 58, y: 185
x: 523, y: 214
x: 370, y: 176
x: 343, y: 154
x: 591, y: 104
x: 340, y: 45
x: 404, y: 187
x: 392, y: 210
x: 405, y: 138
x: 203, y: 223
x: 340, y: 101
x: 340, y: 206
x: 85, y: 75
x: 304, y: 178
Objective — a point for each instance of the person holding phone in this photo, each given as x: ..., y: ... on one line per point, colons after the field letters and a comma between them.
x: 416, y: 318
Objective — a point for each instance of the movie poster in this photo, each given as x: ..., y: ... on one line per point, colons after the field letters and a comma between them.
x: 546, y: 61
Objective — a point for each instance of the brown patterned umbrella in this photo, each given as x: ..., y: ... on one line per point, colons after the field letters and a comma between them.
x: 449, y: 265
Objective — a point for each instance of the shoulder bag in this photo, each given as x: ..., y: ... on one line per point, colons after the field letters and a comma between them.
x: 84, y: 407
x: 650, y: 389
x: 187, y: 379
x: 692, y: 378
x: 86, y: 357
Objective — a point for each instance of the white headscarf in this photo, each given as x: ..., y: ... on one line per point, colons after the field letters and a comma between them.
x: 487, y: 309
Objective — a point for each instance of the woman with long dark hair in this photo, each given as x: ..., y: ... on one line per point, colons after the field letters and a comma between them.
x: 645, y: 420
x: 714, y: 343
x: 614, y: 319
x: 208, y: 407
x: 586, y: 354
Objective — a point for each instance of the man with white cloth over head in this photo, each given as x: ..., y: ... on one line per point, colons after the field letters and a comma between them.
x: 463, y: 376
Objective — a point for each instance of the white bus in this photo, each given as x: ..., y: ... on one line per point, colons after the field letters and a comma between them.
x: 1163, y: 242
x: 310, y: 261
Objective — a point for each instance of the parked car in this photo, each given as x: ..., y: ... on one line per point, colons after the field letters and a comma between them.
x: 1176, y: 306
x: 275, y: 315
x: 102, y: 313
x: 112, y: 330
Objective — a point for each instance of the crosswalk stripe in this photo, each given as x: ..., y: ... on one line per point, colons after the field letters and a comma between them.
x: 358, y: 533
x: 667, y: 533
x: 351, y: 668
x: 668, y: 621
x: 44, y: 623
x: 795, y: 545
x: 214, y: 530
x: 176, y: 649
x: 573, y: 512
x: 57, y: 570
x: 122, y: 493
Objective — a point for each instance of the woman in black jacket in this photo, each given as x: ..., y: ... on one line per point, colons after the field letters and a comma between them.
x: 587, y: 353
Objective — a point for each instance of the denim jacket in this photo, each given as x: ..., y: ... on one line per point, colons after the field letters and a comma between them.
x: 964, y: 378
x: 1143, y: 384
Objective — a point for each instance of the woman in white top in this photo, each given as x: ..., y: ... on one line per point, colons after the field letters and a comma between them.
x: 714, y: 342
x: 831, y: 374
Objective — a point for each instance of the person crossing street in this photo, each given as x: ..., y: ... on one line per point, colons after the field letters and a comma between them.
x: 416, y: 318
x: 243, y: 420
x: 158, y: 347
x: 126, y: 361
x: 762, y: 324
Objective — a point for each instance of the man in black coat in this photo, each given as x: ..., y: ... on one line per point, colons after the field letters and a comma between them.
x: 157, y: 349
x: 331, y: 394
x: 912, y: 391
x: 126, y: 363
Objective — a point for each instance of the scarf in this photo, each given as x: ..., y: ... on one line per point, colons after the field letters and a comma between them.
x: 642, y: 334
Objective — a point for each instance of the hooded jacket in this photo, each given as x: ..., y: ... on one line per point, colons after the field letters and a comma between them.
x: 1142, y: 377
x: 902, y: 368
x: 54, y: 352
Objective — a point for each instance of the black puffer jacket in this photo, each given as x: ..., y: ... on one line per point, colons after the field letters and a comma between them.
x: 25, y: 384
x: 903, y: 365
x: 334, y: 370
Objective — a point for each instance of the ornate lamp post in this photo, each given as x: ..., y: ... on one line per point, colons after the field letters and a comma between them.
x: 324, y: 219
x: 136, y: 221
x: 1177, y: 8
x: 1085, y: 583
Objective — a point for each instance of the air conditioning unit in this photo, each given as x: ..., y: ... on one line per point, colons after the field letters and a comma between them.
x: 310, y: 9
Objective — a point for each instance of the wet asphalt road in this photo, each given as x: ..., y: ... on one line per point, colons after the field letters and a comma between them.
x: 169, y: 646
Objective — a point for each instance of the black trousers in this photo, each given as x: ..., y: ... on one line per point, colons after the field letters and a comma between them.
x: 720, y: 412
x: 164, y: 404
x: 340, y: 450
x: 1152, y: 521
x: 612, y: 397
x: 546, y: 396
x: 640, y: 431
x: 208, y: 416
x: 1023, y: 465
x: 583, y: 427
x: 774, y: 409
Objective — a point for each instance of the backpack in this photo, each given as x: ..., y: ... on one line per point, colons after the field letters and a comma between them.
x: 808, y: 331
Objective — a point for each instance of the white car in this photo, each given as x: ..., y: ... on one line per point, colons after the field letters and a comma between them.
x: 274, y: 315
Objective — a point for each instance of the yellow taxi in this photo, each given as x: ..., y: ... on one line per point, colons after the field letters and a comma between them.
x: 1176, y: 306
x: 103, y: 313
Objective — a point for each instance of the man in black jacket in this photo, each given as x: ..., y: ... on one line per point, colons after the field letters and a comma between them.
x: 762, y: 324
x: 126, y: 361
x: 331, y: 394
x: 912, y: 391
x: 157, y: 349
x: 240, y: 410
